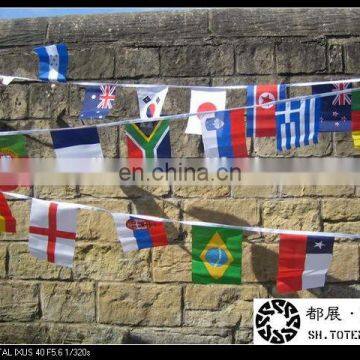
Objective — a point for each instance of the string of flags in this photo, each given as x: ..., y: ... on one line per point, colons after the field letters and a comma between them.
x: 304, y: 256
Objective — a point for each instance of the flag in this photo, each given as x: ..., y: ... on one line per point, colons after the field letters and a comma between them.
x: 303, y: 262
x: 11, y: 146
x: 136, y: 234
x: 98, y: 101
x: 261, y: 121
x: 77, y: 143
x: 224, y: 134
x: 216, y: 255
x: 52, y: 231
x: 53, y: 62
x: 356, y: 138
x: 201, y: 101
x: 335, y: 111
x: 297, y: 123
x: 6, y: 80
x: 149, y: 139
x: 7, y: 221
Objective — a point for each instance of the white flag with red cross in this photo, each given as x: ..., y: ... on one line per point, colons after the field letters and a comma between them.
x: 52, y: 231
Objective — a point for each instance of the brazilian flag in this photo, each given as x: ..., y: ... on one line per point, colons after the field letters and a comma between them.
x: 216, y: 255
x: 13, y: 146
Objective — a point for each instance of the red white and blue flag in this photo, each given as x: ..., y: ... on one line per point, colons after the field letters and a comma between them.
x: 261, y: 120
x: 98, y: 101
x: 135, y: 233
x: 224, y: 134
x: 303, y: 262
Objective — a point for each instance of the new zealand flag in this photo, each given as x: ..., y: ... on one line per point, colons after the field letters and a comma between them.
x: 335, y: 112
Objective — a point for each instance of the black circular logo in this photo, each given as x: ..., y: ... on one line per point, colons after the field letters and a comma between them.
x: 277, y: 321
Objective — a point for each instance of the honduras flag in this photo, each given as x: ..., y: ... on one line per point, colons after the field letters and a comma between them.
x: 297, y: 123
x: 53, y: 62
x: 136, y: 233
x: 77, y: 143
x: 223, y: 134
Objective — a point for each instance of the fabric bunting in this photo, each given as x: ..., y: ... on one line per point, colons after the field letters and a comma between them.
x: 52, y: 231
x: 201, y: 101
x: 98, y: 101
x: 136, y: 234
x: 303, y: 262
x: 297, y: 123
x: 224, y: 134
x: 7, y: 221
x: 216, y: 255
x: 53, y: 62
x: 261, y: 121
x: 6, y: 80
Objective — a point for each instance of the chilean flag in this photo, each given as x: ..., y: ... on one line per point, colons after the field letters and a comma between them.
x: 261, y: 121
x: 224, y: 134
x: 136, y: 233
x: 303, y: 262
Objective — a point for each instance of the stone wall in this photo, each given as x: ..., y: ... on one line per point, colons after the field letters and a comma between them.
x: 147, y: 296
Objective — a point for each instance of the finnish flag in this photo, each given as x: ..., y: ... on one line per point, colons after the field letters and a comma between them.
x: 53, y: 62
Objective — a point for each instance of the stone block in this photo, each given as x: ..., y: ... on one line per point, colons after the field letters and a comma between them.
x: 314, y: 190
x: 140, y: 305
x: 249, y: 191
x: 14, y: 102
x: 344, y: 145
x: 351, y: 55
x: 19, y: 301
x: 201, y: 191
x: 345, y: 263
x: 23, y: 333
x: 68, y: 302
x: 335, y: 58
x: 341, y: 209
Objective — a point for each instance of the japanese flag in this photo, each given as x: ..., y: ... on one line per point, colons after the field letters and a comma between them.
x: 151, y: 101
x: 204, y: 100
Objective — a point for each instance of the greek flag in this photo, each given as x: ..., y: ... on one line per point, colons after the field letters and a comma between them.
x: 53, y: 62
x: 297, y: 123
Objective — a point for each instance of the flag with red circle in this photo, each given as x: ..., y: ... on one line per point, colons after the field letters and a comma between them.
x: 202, y: 101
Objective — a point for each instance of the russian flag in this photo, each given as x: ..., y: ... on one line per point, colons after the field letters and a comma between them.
x: 77, y: 143
x: 224, y: 134
x: 53, y: 62
x: 136, y: 233
x: 303, y: 262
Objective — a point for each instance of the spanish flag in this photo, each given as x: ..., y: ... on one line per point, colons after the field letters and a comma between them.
x: 7, y: 221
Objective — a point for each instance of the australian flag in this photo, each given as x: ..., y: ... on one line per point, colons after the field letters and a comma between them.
x: 335, y: 113
x: 98, y: 101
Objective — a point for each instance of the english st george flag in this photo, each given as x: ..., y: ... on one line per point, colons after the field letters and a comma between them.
x: 303, y: 262
x: 52, y: 231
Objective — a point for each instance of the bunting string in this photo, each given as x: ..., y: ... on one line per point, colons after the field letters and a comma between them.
x: 253, y: 229
x: 177, y: 117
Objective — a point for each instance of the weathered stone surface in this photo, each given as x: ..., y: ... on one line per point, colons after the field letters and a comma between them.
x: 341, y: 209
x: 345, y: 263
x: 68, y: 302
x: 23, y: 333
x: 300, y: 57
x: 109, y: 263
x: 204, y: 191
x: 223, y: 211
x: 86, y: 334
x: 20, y: 62
x: 335, y: 58
x: 91, y: 63
x: 22, y: 265
x: 172, y: 264
x: 294, y: 22
x: 244, y: 336
x: 302, y: 214
x: 55, y: 192
x: 352, y: 53
x: 13, y: 100
x: 261, y: 52
x: 20, y: 209
x: 344, y: 145
x: 99, y: 191
x: 3, y: 252
x: 247, y: 191
x: 133, y: 62
x: 19, y: 301
x: 180, y: 336
x: 331, y: 190
x: 190, y: 60
x: 132, y: 304
x: 343, y: 227
x: 341, y: 291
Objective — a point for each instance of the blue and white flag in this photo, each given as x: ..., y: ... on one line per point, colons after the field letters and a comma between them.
x: 98, y: 101
x: 53, y: 62
x: 77, y: 143
x: 297, y: 123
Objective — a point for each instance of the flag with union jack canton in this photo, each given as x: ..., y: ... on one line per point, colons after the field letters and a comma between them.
x: 335, y: 112
x: 98, y: 101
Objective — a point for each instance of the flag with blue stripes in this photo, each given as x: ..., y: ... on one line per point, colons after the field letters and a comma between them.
x: 297, y: 123
x: 53, y: 62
